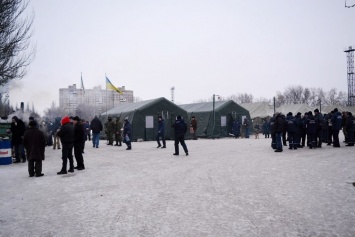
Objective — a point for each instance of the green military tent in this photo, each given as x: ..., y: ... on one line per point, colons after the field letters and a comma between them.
x: 143, y: 116
x: 215, y: 119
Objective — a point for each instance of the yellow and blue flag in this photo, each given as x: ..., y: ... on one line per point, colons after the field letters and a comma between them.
x: 109, y: 85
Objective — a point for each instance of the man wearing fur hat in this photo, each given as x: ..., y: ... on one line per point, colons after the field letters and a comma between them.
x: 79, y: 133
x: 66, y: 134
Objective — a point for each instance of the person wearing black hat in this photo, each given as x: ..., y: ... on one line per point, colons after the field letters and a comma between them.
x: 299, y: 130
x: 311, y: 130
x: 161, y: 132
x: 34, y: 141
x: 344, y: 117
x: 180, y: 129
x: 336, y: 121
x: 320, y: 122
x: 18, y: 129
x: 79, y: 133
x: 127, y: 134
x: 273, y: 131
x: 96, y: 127
x: 66, y: 134
x: 350, y: 128
x: 291, y: 131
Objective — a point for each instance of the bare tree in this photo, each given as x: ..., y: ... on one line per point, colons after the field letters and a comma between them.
x: 54, y: 111
x: 279, y: 99
x: 241, y: 98
x: 15, y: 33
x: 293, y: 94
x: 86, y: 111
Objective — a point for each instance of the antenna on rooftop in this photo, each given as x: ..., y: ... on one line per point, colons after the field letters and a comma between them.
x: 172, y: 94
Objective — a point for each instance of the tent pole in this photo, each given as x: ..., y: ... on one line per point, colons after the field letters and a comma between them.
x: 214, y: 115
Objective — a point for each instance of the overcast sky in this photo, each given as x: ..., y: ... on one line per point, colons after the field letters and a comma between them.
x: 201, y: 47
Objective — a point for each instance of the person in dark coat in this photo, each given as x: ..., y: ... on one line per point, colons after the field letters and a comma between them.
x: 66, y: 134
x: 79, y: 134
x: 343, y: 125
x: 299, y: 130
x: 180, y: 129
x: 280, y: 128
x: 127, y: 134
x: 330, y: 128
x: 350, y: 128
x: 161, y: 132
x: 320, y: 122
x: 34, y: 141
x: 325, y: 129
x: 87, y: 131
x: 266, y: 129
x: 336, y: 121
x: 273, y: 132
x: 284, y: 139
x: 236, y: 128
x: 18, y: 130
x: 193, y: 127
x: 96, y: 127
x: 311, y: 130
x: 291, y: 131
x: 304, y: 141
x: 246, y: 126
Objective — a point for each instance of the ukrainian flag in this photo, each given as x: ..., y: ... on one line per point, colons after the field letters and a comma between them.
x: 109, y: 85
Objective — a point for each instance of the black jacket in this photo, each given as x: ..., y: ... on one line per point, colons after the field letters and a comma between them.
x: 66, y: 134
x: 180, y: 127
x: 79, y: 133
x: 17, y: 132
x: 96, y: 125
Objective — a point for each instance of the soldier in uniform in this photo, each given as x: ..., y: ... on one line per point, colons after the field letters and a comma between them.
x: 117, y: 130
x: 110, y: 128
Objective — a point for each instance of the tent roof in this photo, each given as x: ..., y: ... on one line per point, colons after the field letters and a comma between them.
x: 294, y: 108
x: 258, y: 109
x: 133, y: 106
x: 329, y: 108
x: 204, y: 106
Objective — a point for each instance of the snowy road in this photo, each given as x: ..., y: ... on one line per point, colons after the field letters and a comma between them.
x: 226, y: 187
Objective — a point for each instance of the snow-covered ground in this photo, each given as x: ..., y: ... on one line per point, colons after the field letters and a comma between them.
x: 225, y: 187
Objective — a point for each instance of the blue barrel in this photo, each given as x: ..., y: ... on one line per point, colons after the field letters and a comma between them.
x: 5, y: 152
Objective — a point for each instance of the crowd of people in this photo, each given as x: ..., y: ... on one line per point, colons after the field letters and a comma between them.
x: 312, y: 130
x: 70, y: 134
